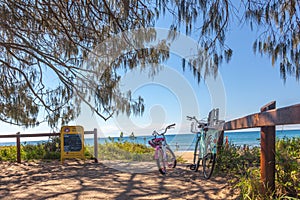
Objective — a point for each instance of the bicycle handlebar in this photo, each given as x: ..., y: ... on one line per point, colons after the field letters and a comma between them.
x: 168, y: 127
x: 190, y: 118
x: 200, y: 122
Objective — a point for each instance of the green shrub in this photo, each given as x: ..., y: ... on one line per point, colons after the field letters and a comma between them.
x: 288, y: 167
x: 250, y: 184
x: 244, y: 165
x: 236, y: 160
x: 180, y: 159
x: 8, y: 153
x: 45, y: 150
x: 125, y: 151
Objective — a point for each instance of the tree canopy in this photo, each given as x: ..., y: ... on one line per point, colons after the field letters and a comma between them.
x: 71, y: 41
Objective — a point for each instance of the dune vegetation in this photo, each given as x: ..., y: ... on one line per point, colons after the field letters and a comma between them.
x: 242, y: 165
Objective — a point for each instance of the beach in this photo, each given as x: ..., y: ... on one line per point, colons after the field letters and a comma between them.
x: 78, y: 179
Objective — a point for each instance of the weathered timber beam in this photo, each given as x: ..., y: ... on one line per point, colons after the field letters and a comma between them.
x: 38, y: 134
x: 30, y: 135
x: 281, y: 116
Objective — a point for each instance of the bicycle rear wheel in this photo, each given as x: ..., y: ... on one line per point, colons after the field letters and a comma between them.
x: 171, y: 161
x: 209, y: 160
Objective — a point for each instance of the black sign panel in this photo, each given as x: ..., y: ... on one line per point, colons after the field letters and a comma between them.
x: 72, y: 142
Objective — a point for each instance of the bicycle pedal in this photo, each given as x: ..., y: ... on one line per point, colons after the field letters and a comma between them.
x: 192, y: 167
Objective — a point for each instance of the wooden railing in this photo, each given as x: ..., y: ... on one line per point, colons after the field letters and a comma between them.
x: 18, y: 141
x: 267, y: 119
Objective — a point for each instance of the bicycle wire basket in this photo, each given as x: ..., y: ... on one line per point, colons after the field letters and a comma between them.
x: 155, y: 142
x: 195, y: 128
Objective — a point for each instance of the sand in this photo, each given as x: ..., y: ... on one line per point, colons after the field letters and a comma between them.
x: 77, y: 179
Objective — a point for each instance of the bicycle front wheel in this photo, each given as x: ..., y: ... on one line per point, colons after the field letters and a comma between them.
x: 209, y: 160
x: 197, y: 156
x: 160, y: 161
x: 165, y: 161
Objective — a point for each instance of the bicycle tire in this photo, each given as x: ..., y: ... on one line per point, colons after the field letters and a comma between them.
x: 208, y: 160
x: 171, y: 158
x: 196, y: 160
x: 170, y: 161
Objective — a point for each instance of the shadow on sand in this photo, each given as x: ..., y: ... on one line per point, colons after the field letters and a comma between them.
x: 88, y: 180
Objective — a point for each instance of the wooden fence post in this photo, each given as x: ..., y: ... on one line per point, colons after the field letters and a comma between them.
x: 220, y: 141
x: 267, y: 158
x: 18, y: 147
x: 95, y: 145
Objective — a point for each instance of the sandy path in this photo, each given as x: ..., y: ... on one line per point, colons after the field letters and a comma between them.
x: 88, y: 180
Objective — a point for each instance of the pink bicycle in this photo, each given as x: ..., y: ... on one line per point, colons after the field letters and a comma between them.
x: 164, y: 156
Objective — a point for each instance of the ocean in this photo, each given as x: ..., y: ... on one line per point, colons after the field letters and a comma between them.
x: 185, y: 142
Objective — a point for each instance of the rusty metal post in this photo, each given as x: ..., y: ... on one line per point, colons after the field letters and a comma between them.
x: 18, y: 147
x: 267, y: 158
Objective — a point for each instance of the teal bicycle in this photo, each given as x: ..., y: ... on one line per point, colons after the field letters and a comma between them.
x: 205, y: 147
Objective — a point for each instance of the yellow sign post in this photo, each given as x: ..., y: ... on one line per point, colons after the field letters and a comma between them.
x: 71, y: 142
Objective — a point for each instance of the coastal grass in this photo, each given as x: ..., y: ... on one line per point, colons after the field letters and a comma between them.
x: 127, y: 151
x: 110, y: 150
x: 48, y: 150
x: 243, y: 164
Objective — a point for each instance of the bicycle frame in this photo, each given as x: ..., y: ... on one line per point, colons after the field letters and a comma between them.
x: 202, y: 138
x: 213, y: 142
x: 201, y: 142
x: 162, y: 146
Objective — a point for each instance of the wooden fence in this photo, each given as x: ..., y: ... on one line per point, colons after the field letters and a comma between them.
x: 18, y: 141
x: 267, y: 119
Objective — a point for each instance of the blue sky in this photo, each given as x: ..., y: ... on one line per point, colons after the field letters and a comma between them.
x: 249, y: 81
x: 244, y: 85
